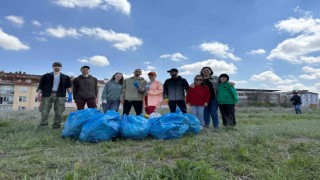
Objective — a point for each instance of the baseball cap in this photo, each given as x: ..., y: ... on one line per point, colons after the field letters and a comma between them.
x: 173, y: 70
x: 57, y: 64
x: 85, y: 67
x: 152, y: 73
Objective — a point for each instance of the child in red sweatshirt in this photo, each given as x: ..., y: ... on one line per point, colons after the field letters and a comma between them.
x: 198, y: 97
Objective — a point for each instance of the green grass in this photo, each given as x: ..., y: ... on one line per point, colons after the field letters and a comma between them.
x: 267, y: 143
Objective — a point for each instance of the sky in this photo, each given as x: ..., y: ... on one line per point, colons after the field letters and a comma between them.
x: 261, y: 44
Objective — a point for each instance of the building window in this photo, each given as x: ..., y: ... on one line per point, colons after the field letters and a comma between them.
x: 21, y: 107
x: 28, y: 80
x: 23, y: 89
x: 22, y: 99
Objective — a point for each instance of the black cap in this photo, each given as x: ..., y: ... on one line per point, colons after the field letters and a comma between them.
x: 173, y: 70
x: 85, y: 67
x: 57, y: 64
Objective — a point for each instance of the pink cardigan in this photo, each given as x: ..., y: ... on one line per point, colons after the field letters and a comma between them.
x: 155, y: 94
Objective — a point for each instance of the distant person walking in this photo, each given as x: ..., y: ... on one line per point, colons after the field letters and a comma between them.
x: 52, y: 90
x: 227, y: 98
x: 174, y: 90
x: 198, y: 98
x: 296, y: 102
x: 85, y: 89
x: 154, y: 92
x: 132, y: 93
x: 111, y: 93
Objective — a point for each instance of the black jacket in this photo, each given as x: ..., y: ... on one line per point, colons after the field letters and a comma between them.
x: 46, y: 84
x: 175, y: 88
x: 295, y: 100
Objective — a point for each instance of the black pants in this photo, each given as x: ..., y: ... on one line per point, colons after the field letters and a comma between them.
x: 180, y: 103
x: 227, y: 112
x: 137, y: 105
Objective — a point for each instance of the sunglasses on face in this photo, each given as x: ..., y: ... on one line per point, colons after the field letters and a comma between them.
x: 198, y: 79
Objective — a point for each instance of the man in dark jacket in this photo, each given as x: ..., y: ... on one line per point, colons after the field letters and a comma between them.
x: 296, y: 102
x: 174, y: 90
x: 85, y: 89
x: 52, y: 90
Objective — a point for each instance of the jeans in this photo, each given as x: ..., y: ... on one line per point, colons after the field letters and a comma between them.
x: 211, y: 110
x: 111, y: 105
x: 198, y: 112
x: 297, y: 109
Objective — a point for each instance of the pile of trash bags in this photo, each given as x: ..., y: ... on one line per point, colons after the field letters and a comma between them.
x: 91, y: 125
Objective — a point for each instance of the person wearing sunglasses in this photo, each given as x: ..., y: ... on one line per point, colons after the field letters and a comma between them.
x: 198, y: 98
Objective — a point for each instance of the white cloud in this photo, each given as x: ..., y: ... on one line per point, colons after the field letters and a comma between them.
x: 36, y: 23
x: 299, y: 48
x: 313, y: 73
x: 61, y: 32
x: 16, y: 20
x: 174, y: 57
x: 121, y: 41
x: 147, y: 62
x: 151, y: 68
x: 271, y: 77
x: 9, y: 42
x: 220, y: 50
x: 218, y: 67
x: 257, y: 51
x: 95, y: 60
x: 120, y: 5
x: 41, y: 39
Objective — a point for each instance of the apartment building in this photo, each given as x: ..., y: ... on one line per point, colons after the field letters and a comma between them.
x: 248, y: 96
x: 308, y: 99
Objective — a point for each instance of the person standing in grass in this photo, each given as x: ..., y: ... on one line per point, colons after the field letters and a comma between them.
x: 132, y: 93
x: 296, y: 102
x: 174, y: 90
x: 111, y: 93
x: 227, y: 98
x: 153, y: 97
x: 198, y: 98
x: 52, y: 90
x: 85, y: 89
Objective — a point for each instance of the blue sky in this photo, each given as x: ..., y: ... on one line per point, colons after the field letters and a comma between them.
x: 273, y: 44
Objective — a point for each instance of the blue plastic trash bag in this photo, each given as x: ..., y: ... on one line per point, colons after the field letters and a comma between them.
x: 134, y: 127
x: 168, y: 126
x: 75, y: 121
x: 101, y: 127
x: 192, y: 122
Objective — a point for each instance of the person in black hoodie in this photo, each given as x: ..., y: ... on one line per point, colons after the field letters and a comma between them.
x: 174, y: 90
x: 85, y: 89
x: 296, y: 102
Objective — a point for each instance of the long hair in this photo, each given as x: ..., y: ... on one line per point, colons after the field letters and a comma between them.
x: 113, y: 77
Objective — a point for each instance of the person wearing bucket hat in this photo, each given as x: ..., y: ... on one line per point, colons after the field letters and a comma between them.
x: 52, y: 90
x: 153, y: 96
x: 174, y: 90
x: 85, y: 89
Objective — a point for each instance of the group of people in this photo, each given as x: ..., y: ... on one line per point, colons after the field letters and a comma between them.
x: 204, y: 95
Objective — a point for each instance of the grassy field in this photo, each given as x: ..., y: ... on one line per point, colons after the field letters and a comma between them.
x: 268, y: 143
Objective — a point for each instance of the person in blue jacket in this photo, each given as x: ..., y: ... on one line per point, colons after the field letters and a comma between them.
x: 296, y: 102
